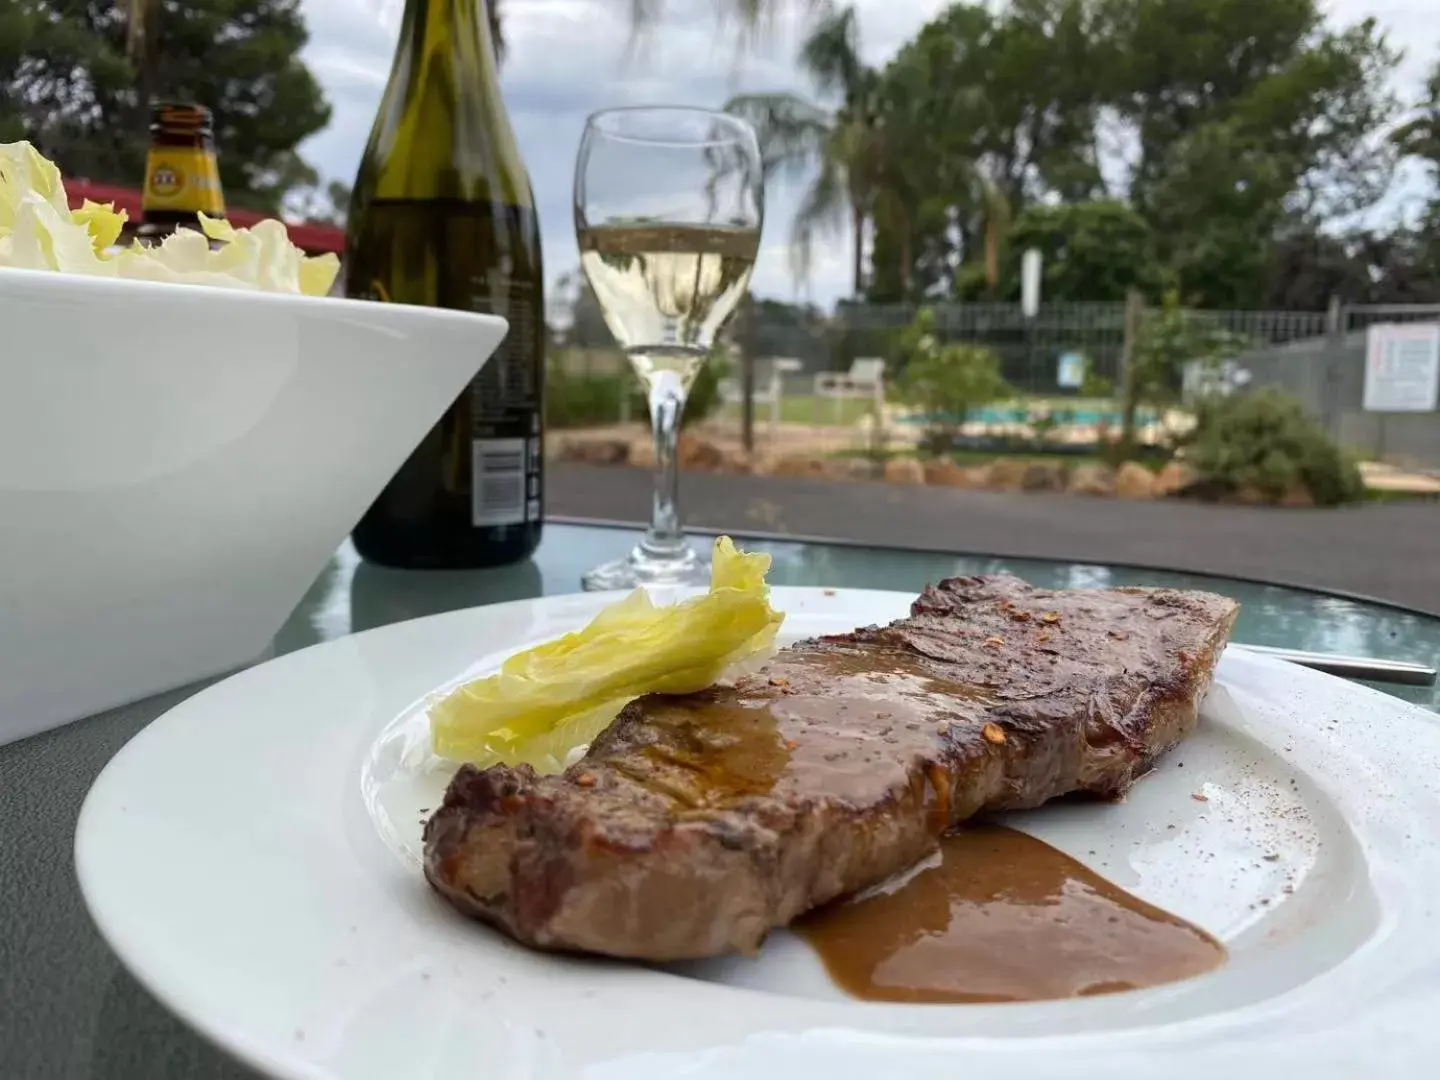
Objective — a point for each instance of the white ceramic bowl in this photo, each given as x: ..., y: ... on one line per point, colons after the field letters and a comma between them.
x: 178, y: 462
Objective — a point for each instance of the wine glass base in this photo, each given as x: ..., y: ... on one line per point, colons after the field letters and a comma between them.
x: 688, y: 567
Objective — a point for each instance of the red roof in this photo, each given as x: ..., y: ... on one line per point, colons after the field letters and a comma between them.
x: 312, y: 239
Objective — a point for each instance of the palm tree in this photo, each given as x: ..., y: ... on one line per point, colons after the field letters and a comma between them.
x: 844, y: 147
x: 857, y: 154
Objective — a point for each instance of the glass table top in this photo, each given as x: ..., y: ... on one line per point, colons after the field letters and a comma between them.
x: 74, y: 1012
x: 352, y: 595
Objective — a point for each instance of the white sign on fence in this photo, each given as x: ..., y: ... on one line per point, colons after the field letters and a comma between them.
x: 1071, y: 373
x: 1402, y: 367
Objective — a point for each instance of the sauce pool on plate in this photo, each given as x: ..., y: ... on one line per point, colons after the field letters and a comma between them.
x: 1004, y: 917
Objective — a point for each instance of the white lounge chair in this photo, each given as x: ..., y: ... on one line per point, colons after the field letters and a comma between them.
x: 770, y: 372
x: 865, y: 379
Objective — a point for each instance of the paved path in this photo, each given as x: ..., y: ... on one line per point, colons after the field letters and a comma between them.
x: 1387, y: 551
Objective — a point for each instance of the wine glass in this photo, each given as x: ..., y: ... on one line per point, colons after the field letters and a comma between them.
x: 668, y: 207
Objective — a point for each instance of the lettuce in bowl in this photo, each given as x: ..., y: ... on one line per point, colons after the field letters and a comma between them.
x: 39, y: 231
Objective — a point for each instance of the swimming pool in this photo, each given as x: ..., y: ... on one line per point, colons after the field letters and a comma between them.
x: 997, y: 414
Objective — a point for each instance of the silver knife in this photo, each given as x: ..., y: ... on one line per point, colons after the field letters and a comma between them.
x: 1400, y: 672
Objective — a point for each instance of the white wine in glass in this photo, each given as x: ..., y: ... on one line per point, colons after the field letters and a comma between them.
x: 668, y: 210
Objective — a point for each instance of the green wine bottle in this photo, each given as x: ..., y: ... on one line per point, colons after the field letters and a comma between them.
x: 443, y: 215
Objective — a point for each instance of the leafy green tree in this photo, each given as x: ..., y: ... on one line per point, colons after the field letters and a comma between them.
x: 1015, y: 89
x: 1248, y: 114
x: 1419, y: 136
x: 1001, y: 107
x: 1096, y: 250
x: 76, y: 77
x: 1310, y: 264
x: 1175, y: 66
x: 1217, y: 201
x: 1250, y: 119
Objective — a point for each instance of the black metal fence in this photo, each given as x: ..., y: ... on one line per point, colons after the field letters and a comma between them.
x: 1030, y: 348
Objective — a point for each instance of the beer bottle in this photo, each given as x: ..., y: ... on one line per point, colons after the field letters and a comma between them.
x: 182, y: 177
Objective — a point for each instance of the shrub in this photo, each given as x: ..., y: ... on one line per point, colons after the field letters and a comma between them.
x: 915, y: 341
x: 580, y: 399
x: 1265, y: 440
x: 703, y: 399
x: 947, y: 380
x: 1095, y: 385
x: 1168, y: 339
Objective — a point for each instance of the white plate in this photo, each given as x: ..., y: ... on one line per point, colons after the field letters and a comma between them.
x: 250, y: 857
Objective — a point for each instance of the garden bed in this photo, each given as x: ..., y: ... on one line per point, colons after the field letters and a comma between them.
x: 1023, y: 471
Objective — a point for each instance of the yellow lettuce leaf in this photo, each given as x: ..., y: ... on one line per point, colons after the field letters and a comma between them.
x: 43, y: 238
x: 102, y: 221
x: 260, y: 257
x: 548, y: 700
x: 26, y: 174
x: 38, y: 231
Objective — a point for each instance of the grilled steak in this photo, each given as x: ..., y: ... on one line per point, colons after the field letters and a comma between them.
x: 696, y: 824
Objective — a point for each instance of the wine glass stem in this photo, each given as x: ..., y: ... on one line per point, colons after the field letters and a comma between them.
x: 664, y: 539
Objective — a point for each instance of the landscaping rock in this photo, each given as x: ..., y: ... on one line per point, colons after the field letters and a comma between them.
x: 1043, y: 476
x: 1174, y: 478
x: 1134, y: 481
x: 1250, y: 495
x: 597, y: 451
x: 735, y: 463
x: 697, y: 455
x: 904, y: 471
x: 800, y: 466
x: 848, y: 469
x: 642, y: 453
x: 977, y: 477
x: 1007, y: 474
x: 1297, y: 498
x: 1092, y: 480
x: 942, y: 472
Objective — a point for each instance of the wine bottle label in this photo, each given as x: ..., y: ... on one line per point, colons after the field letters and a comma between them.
x: 481, y: 257
x: 499, y: 477
x: 183, y: 178
x: 505, y: 410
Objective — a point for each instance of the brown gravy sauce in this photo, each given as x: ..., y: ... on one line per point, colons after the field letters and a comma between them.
x: 1004, y: 917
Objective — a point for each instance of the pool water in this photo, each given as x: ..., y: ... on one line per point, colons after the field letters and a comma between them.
x: 994, y: 414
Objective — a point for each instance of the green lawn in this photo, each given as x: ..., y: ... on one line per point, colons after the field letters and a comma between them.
x: 1154, y: 462
x: 806, y: 409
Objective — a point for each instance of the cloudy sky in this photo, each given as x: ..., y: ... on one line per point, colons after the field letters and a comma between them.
x: 569, y: 57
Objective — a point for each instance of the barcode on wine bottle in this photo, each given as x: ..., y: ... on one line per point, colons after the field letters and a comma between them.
x: 498, y: 482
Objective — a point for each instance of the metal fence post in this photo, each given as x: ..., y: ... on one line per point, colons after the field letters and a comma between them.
x: 1335, y: 320
x: 1134, y: 314
x: 749, y: 325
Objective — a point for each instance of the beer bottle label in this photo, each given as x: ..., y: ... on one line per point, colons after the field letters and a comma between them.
x: 183, y: 178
